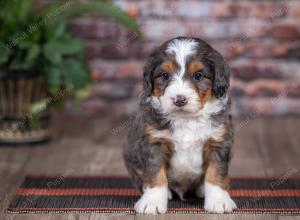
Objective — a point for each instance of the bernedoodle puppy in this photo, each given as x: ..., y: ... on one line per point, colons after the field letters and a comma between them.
x: 181, y: 138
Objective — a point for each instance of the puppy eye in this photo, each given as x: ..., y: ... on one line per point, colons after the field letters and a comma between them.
x: 198, y: 76
x: 164, y: 75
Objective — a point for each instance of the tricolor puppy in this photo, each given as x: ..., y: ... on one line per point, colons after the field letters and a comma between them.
x: 181, y: 138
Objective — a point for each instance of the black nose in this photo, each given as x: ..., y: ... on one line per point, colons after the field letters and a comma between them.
x: 180, y: 101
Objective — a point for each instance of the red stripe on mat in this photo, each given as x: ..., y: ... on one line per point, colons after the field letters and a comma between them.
x: 131, y: 209
x: 134, y: 192
x: 64, y: 192
x: 71, y: 209
x: 127, y: 177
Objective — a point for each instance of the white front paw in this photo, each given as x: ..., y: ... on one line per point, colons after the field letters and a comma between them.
x: 218, y: 200
x: 153, y: 201
x: 219, y: 204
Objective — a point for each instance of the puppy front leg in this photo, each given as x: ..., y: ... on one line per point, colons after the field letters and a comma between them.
x: 155, y: 195
x: 216, y: 184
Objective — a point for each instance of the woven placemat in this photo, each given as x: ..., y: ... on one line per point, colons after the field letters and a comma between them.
x: 45, y: 194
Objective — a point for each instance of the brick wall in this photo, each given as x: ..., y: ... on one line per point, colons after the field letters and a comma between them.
x: 260, y: 40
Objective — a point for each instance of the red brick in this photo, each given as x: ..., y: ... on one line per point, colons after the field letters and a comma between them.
x: 288, y: 70
x: 281, y: 49
x: 104, y: 69
x: 95, y: 28
x: 259, y: 107
x: 133, y: 9
x: 269, y: 10
x: 237, y: 87
x: 287, y: 50
x: 265, y: 88
x: 264, y: 48
x: 239, y: 31
x: 113, y: 90
x: 160, y: 29
x: 158, y: 9
x: 250, y: 70
x: 231, y: 10
x: 194, y: 9
x: 286, y: 31
x: 293, y: 89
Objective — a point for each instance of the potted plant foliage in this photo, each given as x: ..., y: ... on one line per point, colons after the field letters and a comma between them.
x: 41, y: 63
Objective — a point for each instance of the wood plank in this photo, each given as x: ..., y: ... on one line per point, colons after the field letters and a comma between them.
x: 99, y: 216
x: 30, y: 217
x: 207, y: 217
x: 274, y: 140
x: 70, y: 216
x: 289, y: 217
x: 246, y: 159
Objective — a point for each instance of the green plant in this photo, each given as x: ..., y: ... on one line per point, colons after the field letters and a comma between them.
x: 38, y: 40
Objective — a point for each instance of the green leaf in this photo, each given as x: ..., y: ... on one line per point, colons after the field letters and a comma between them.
x: 23, y: 9
x: 25, y: 56
x: 75, y: 73
x: 52, y: 53
x: 65, y: 45
x: 69, y: 45
x: 53, y: 76
x: 34, y: 33
x: 19, y: 63
x: 55, y: 31
x: 53, y: 89
x: 34, y: 121
x: 32, y: 54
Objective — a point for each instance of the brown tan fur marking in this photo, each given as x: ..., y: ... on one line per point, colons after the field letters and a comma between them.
x: 169, y: 67
x: 156, y: 91
x: 195, y: 66
x: 205, y: 94
x: 210, y: 166
x: 166, y: 152
x: 159, y: 180
x: 212, y: 176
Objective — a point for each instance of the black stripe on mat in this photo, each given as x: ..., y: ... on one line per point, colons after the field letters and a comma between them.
x: 22, y: 202
x: 125, y: 183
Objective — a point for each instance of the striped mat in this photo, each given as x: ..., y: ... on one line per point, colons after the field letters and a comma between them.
x: 54, y: 194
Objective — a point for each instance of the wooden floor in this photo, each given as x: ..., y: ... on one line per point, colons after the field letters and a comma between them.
x: 92, y: 146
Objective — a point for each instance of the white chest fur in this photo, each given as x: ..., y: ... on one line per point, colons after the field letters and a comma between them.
x: 189, y: 136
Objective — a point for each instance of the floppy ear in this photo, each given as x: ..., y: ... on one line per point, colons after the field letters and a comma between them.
x: 152, y: 62
x: 221, y: 74
x: 147, y: 78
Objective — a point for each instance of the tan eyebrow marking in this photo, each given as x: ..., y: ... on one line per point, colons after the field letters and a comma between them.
x: 168, y: 66
x: 195, y: 66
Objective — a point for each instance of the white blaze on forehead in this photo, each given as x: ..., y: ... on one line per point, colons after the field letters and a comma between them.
x: 182, y: 48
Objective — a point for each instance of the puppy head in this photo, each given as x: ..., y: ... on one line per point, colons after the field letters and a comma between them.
x: 183, y: 75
